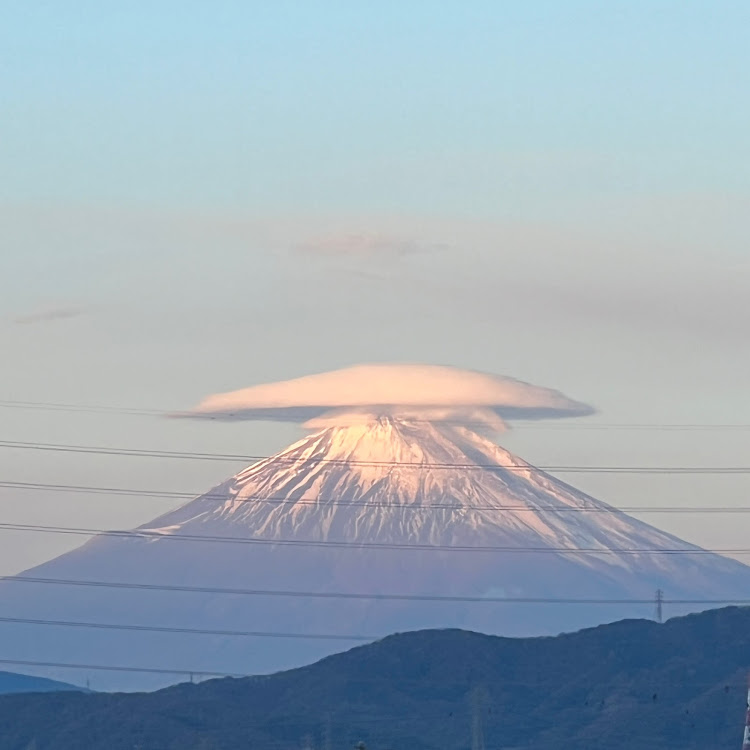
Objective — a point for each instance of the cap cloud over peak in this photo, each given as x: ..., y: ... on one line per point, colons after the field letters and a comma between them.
x: 429, y: 392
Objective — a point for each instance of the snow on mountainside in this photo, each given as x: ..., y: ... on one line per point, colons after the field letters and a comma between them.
x: 378, y: 507
x: 400, y: 482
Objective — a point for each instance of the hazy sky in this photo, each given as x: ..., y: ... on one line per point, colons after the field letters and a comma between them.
x: 199, y: 197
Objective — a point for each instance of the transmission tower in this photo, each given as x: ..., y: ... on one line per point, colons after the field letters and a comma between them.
x: 478, y: 697
x: 659, y: 606
x: 328, y: 734
x: 746, y: 738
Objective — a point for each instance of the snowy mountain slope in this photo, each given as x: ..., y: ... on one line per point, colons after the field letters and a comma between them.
x: 380, y: 506
x: 404, y: 482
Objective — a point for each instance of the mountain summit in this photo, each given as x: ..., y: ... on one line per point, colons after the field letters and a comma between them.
x: 355, y: 514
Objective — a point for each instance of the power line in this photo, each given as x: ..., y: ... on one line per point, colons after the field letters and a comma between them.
x: 107, y: 451
x: 320, y: 501
x: 113, y: 668
x: 94, y: 408
x: 725, y: 684
x: 146, y: 534
x: 197, y: 456
x: 141, y: 411
x: 446, y: 598
x: 189, y: 631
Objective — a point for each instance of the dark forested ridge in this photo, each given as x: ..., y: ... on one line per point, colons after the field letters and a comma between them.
x: 631, y: 685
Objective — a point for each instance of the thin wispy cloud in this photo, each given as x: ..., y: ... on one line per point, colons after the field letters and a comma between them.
x: 50, y: 315
x: 367, y: 245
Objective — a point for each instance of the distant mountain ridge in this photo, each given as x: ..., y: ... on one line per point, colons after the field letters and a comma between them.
x: 631, y: 685
x: 12, y: 682
x: 379, y: 506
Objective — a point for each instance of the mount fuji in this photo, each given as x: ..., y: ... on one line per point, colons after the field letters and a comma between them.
x: 384, y: 520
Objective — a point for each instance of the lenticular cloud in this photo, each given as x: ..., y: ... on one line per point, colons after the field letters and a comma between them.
x: 426, y: 392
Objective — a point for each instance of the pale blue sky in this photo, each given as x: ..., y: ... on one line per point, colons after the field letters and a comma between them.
x: 233, y: 192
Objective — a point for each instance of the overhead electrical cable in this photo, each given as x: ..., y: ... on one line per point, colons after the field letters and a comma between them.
x: 357, y: 595
x: 319, y: 501
x: 151, y: 412
x: 142, y: 411
x: 93, y: 408
x: 119, y: 668
x: 583, y: 469
x: 154, y: 535
x: 187, y: 631
x: 739, y: 684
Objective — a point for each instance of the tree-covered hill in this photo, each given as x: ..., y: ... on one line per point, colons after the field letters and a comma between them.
x: 631, y: 685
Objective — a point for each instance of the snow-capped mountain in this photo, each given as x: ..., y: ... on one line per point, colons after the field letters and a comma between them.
x: 404, y: 482
x: 383, y: 505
